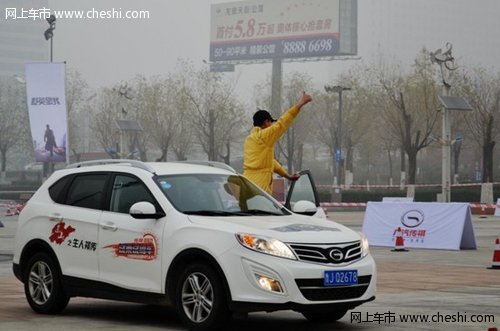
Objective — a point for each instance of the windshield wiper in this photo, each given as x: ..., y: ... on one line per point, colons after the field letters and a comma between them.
x: 261, y: 212
x: 215, y: 213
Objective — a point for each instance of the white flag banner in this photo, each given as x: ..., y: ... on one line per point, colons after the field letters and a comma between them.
x: 45, y: 85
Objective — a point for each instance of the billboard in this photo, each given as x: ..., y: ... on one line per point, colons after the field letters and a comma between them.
x: 45, y: 89
x: 263, y: 29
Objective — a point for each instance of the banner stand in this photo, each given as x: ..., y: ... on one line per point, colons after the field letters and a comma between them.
x: 46, y: 98
x: 424, y: 225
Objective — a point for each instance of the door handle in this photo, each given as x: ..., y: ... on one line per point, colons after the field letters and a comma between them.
x: 55, y: 217
x: 109, y: 226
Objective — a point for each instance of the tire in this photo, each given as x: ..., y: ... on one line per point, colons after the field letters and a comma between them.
x: 200, y: 298
x: 42, y: 285
x: 324, y: 316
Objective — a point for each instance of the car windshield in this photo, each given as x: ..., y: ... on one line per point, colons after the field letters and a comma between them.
x: 217, y: 195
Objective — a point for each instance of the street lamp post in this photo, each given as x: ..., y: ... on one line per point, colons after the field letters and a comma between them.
x: 48, y: 167
x: 446, y: 63
x: 49, y: 33
x: 338, y: 153
x: 125, y: 126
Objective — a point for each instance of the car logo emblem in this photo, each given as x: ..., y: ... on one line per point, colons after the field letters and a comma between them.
x: 412, y: 218
x: 336, y: 255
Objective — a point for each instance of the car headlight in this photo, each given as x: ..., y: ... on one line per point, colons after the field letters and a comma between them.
x: 365, y: 247
x: 265, y: 245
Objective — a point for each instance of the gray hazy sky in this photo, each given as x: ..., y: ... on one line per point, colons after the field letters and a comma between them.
x: 108, y: 51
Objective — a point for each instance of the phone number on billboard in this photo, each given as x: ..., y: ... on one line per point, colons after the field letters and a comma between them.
x: 312, y: 46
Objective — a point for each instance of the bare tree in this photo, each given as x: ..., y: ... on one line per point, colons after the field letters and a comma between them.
x: 184, y: 137
x: 103, y: 121
x: 155, y: 103
x: 358, y: 111
x: 482, y: 89
x: 77, y: 96
x: 409, y: 108
x: 389, y: 146
x: 76, y: 90
x: 214, y: 108
x: 292, y: 146
x: 325, y: 114
x: 356, y: 120
x: 458, y: 126
x: 13, y: 119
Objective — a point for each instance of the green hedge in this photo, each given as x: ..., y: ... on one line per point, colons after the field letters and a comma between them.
x: 459, y: 194
x: 21, y: 186
x: 7, y: 191
x: 10, y: 196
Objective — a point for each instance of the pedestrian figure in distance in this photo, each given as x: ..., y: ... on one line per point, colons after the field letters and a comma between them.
x: 50, y: 140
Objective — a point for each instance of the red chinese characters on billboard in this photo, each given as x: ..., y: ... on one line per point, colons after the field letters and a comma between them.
x: 251, y: 28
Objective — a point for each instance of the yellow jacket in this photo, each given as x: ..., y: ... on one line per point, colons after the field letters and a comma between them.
x: 258, y: 159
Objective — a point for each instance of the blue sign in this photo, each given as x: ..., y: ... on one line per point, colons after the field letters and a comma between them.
x: 338, y: 155
x: 478, y: 175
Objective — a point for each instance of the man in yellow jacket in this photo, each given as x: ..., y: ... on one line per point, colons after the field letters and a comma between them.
x: 258, y: 159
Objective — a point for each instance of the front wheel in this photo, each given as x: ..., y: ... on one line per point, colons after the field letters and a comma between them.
x: 42, y: 285
x: 201, y: 299
x: 324, y: 316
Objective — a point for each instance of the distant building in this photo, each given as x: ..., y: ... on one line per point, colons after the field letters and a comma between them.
x: 21, y: 38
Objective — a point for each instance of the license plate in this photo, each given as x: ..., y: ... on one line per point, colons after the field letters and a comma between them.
x: 340, y: 277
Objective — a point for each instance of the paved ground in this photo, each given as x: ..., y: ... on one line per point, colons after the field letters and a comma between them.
x: 433, y: 283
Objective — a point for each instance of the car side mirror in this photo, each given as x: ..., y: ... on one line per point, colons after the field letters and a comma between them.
x: 304, y: 207
x: 144, y: 210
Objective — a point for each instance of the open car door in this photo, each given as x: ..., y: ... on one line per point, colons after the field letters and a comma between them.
x: 303, y: 198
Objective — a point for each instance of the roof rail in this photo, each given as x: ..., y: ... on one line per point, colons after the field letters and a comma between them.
x: 133, y: 163
x: 211, y: 164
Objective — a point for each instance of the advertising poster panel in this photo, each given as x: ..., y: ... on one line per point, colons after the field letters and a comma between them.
x: 45, y: 90
x: 249, y: 30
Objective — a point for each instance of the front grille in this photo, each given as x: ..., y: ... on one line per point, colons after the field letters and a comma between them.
x: 314, y: 289
x: 328, y: 253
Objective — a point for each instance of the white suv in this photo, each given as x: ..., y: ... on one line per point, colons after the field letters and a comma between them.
x: 201, y: 238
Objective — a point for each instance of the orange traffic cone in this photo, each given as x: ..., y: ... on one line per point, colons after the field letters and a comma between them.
x: 399, y: 245
x: 496, y: 256
x: 18, y: 209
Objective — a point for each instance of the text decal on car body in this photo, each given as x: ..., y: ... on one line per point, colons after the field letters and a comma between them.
x: 303, y: 227
x: 144, y: 248
x: 82, y: 244
x: 60, y: 232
